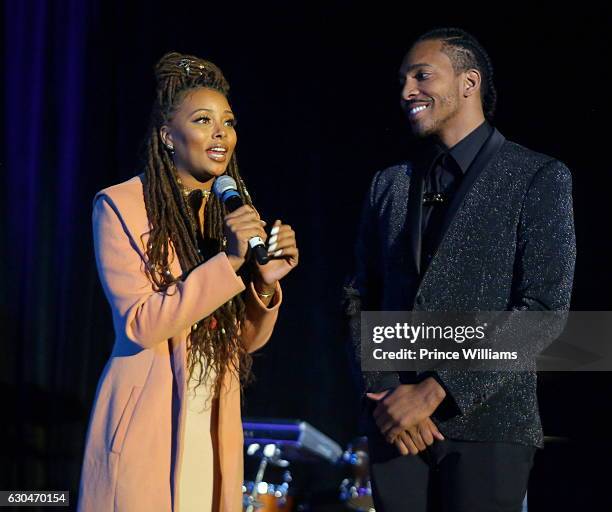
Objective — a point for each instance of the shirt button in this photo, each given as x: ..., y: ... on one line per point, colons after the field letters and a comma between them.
x: 420, y: 299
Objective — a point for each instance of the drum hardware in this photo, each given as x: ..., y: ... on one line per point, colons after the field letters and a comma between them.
x: 278, y: 442
x: 269, y: 454
x: 356, y: 492
x: 267, y: 497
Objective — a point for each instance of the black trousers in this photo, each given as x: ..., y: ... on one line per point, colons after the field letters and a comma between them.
x: 450, y: 476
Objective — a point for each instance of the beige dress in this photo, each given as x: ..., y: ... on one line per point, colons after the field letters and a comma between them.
x: 197, y: 470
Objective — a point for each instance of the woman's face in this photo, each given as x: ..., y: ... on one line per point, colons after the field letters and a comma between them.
x: 202, y: 134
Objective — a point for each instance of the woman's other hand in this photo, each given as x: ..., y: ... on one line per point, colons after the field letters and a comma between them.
x: 283, y: 252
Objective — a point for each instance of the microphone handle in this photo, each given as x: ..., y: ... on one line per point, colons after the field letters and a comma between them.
x: 233, y: 202
x: 261, y: 254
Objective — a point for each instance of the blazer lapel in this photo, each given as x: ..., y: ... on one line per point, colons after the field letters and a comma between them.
x: 415, y: 198
x: 481, y: 162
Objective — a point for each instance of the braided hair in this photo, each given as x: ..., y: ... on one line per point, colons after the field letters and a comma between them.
x: 173, y: 229
x: 465, y: 52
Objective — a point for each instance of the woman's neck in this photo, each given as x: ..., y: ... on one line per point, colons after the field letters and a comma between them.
x: 189, y: 182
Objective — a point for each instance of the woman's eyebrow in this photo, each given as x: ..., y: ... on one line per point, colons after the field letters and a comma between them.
x: 210, y: 110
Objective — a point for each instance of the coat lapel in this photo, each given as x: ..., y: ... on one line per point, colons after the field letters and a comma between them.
x: 415, y: 198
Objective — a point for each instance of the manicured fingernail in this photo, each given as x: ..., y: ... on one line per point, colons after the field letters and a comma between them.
x: 274, y: 230
x: 272, y: 247
x: 272, y: 239
x: 278, y: 253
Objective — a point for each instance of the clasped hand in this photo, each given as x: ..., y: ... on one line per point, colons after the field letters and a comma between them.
x: 403, y: 415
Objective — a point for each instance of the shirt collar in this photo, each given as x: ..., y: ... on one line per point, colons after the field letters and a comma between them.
x: 467, y: 148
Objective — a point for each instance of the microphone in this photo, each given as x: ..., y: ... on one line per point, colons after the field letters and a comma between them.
x: 226, y: 190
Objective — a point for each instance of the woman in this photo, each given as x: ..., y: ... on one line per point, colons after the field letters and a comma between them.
x: 165, y: 432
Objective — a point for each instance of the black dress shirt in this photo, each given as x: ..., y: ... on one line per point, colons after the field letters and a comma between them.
x: 446, y: 171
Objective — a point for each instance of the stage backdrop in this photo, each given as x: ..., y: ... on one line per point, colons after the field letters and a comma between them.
x: 316, y: 94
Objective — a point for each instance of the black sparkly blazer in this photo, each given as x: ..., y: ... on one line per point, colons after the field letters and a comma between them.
x: 507, y: 243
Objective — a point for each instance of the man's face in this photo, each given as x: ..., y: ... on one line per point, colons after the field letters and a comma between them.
x: 431, y: 91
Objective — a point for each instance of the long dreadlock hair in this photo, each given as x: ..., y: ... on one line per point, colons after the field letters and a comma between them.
x: 173, y: 230
x: 465, y: 52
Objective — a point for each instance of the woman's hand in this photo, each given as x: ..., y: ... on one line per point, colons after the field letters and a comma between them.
x: 240, y: 226
x: 283, y: 252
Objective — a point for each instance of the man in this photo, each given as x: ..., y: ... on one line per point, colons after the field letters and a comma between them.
x: 474, y: 222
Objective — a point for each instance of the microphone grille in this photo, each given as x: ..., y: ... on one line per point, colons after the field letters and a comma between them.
x: 223, y: 184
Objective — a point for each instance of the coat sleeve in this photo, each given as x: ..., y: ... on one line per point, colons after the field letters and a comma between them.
x: 543, y: 278
x: 363, y: 292
x: 260, y: 319
x: 147, y: 317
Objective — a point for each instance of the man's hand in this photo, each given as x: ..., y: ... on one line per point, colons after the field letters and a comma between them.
x: 417, y: 438
x: 406, y: 406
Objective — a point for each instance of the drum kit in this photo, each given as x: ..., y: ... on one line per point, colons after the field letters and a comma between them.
x: 277, y: 443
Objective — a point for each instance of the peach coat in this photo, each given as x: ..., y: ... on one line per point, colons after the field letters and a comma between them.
x: 134, y: 442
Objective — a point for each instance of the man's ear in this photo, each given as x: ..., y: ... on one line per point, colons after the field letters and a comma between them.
x: 166, y: 136
x: 471, y: 82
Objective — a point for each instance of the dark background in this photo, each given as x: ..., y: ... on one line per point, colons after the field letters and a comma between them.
x: 316, y: 94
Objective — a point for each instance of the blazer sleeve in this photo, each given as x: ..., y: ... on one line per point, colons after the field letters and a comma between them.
x: 543, y: 278
x: 147, y: 317
x: 260, y: 319
x: 363, y: 293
